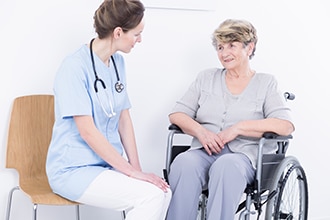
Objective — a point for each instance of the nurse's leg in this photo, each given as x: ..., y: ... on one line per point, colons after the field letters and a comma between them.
x: 117, y: 191
x: 187, y: 177
x: 229, y: 175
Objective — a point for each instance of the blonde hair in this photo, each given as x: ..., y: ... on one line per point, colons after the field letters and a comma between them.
x: 232, y: 30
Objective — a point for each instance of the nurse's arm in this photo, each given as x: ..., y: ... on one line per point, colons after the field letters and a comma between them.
x: 127, y: 136
x: 95, y: 139
x: 108, y: 153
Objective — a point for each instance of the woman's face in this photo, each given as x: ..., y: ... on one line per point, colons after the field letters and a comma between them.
x: 130, y: 38
x: 233, y: 55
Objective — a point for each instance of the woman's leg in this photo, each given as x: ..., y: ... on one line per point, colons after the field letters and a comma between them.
x: 187, y: 177
x: 229, y: 175
x: 117, y: 191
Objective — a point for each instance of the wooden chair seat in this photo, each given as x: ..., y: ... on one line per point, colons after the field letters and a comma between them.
x: 39, y: 191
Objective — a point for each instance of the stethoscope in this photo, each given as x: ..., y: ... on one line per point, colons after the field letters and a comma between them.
x: 119, y: 87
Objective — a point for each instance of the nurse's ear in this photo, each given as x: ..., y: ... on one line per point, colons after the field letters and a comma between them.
x: 117, y: 32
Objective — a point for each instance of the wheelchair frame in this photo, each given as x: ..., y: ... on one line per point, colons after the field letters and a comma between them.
x: 280, y: 181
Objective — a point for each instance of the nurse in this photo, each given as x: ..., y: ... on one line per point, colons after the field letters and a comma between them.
x: 93, y: 127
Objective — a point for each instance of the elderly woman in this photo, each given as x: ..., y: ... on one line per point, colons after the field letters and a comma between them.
x: 221, y: 107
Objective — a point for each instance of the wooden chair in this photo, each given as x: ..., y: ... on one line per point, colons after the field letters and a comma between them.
x: 29, y: 135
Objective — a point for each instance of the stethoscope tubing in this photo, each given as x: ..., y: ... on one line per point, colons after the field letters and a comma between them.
x: 119, y: 87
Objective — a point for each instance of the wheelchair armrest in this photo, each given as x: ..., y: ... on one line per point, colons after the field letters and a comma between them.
x: 174, y: 127
x: 272, y: 135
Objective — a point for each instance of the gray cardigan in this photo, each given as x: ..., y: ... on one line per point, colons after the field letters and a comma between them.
x: 209, y: 102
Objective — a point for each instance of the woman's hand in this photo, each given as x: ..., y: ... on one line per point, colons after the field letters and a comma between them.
x: 211, y: 142
x: 228, y: 134
x: 151, y: 178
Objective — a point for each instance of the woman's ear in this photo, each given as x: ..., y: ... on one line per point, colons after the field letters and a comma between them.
x: 251, y: 46
x: 117, y: 32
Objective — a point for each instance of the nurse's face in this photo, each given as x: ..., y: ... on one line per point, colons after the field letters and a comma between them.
x: 130, y: 38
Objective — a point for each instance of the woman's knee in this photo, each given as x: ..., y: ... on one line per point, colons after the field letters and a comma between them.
x: 232, y: 165
x: 189, y: 163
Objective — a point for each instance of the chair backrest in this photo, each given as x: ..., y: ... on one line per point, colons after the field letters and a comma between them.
x: 29, y: 135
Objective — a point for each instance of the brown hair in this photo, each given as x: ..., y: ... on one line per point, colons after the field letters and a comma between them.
x: 232, y: 30
x: 126, y: 14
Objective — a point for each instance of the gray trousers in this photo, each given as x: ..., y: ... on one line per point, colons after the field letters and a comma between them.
x: 225, y: 175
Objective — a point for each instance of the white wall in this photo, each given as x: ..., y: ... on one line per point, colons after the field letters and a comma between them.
x: 293, y: 45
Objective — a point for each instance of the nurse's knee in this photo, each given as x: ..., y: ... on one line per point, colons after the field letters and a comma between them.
x: 156, y: 194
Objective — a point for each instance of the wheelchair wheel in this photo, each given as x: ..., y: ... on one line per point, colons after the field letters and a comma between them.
x: 202, y: 207
x: 291, y: 193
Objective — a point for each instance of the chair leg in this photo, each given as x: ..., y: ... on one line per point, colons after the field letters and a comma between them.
x: 10, y: 198
x: 35, y: 207
x: 123, y: 215
x: 77, y: 212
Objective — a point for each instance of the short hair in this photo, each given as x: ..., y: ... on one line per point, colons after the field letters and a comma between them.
x: 233, y: 30
x: 126, y: 14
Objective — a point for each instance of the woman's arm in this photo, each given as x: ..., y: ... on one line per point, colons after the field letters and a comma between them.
x: 211, y: 142
x: 127, y: 136
x: 256, y: 128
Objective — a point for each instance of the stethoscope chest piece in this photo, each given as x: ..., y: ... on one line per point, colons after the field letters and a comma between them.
x: 119, y: 87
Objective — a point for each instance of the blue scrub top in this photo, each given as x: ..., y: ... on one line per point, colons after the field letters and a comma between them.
x: 71, y: 164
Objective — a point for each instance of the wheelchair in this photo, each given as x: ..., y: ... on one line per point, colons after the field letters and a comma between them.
x: 280, y: 181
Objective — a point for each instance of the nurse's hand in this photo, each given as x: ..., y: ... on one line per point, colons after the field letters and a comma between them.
x: 151, y: 178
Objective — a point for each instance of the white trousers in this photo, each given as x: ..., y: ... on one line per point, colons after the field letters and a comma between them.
x: 117, y: 191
